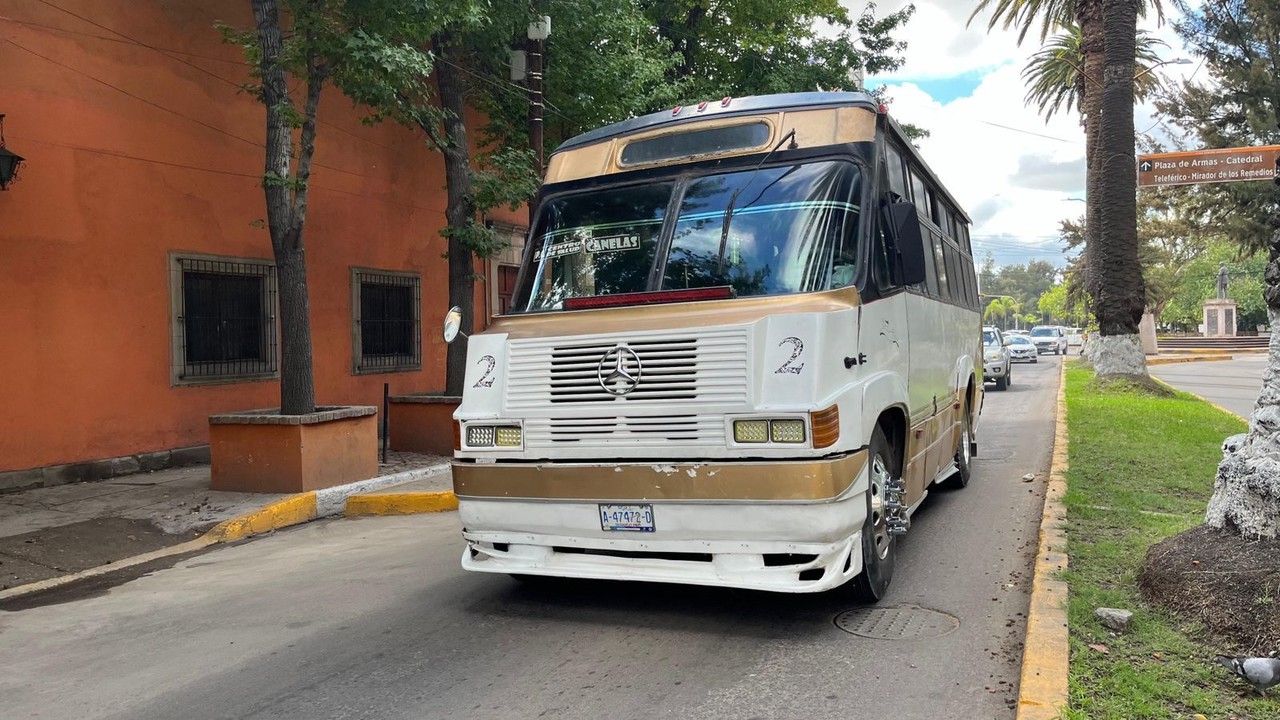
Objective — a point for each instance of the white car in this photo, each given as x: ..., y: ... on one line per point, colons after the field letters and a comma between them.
x: 1021, y: 348
x: 1049, y: 338
x: 1075, y: 336
x: 996, y: 365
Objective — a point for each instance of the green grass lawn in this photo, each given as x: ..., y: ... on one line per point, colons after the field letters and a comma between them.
x: 1141, y: 469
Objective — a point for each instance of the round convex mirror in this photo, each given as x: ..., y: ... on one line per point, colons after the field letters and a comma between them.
x: 452, y: 324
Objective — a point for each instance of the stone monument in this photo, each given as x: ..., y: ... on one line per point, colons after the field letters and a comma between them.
x: 1220, y: 312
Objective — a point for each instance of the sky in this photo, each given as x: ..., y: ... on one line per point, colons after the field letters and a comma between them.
x: 1014, y: 173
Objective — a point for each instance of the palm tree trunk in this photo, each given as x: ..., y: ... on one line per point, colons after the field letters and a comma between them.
x: 1115, y: 273
x: 1246, y: 494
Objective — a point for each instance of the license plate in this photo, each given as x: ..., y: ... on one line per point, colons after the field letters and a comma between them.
x: 626, y: 518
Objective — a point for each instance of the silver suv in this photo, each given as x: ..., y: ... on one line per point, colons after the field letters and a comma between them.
x: 996, y: 365
x: 1049, y: 338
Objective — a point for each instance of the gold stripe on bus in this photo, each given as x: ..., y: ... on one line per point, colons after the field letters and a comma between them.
x: 795, y: 480
x: 814, y: 128
x: 667, y: 316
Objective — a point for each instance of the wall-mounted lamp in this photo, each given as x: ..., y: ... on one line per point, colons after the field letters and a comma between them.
x: 9, y: 162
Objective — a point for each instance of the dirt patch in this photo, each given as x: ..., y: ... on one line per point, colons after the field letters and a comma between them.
x: 1130, y: 384
x: 67, y: 549
x: 1228, y: 584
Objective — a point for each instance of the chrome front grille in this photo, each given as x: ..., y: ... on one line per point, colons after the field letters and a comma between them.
x: 687, y: 382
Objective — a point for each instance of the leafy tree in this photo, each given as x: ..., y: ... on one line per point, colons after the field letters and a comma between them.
x: 1053, y: 74
x: 1239, y: 41
x: 322, y: 42
x: 1199, y: 282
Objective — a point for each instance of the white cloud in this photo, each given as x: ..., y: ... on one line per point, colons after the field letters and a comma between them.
x: 1013, y: 172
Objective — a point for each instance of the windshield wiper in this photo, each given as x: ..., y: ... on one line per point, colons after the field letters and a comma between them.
x: 733, y: 199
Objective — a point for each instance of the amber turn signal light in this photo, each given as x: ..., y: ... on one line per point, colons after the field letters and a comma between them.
x: 825, y: 426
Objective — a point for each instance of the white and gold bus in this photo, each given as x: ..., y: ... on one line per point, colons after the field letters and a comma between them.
x: 744, y: 345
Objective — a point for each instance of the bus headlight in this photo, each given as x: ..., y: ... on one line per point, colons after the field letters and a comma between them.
x: 760, y: 431
x: 786, y: 431
x: 487, y: 436
x: 751, y: 431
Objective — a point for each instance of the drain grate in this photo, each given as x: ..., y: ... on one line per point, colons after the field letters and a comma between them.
x: 907, y: 622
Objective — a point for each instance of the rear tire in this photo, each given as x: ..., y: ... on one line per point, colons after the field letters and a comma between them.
x: 879, y: 546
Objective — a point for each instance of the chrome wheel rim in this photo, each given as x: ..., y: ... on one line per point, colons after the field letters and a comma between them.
x: 879, y: 522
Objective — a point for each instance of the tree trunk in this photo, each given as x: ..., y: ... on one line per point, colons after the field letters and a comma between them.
x: 286, y: 208
x: 459, y: 209
x: 1114, y: 269
x: 1246, y: 493
x: 1089, y: 17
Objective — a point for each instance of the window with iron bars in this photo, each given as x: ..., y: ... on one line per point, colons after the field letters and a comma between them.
x: 224, y: 319
x: 387, y: 323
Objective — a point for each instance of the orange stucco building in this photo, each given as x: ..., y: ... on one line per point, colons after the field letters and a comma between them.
x: 135, y: 268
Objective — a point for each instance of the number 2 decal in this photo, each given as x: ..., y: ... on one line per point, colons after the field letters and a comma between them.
x: 791, y: 367
x: 486, y: 380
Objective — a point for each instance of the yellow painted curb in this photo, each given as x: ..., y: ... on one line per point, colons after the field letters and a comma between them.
x: 1042, y: 691
x: 289, y: 511
x: 1201, y: 398
x: 1195, y: 358
x: 410, y: 503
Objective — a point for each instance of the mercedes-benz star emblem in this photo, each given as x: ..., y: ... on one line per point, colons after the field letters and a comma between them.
x: 615, y: 377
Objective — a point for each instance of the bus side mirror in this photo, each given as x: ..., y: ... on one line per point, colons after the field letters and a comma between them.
x: 453, y: 324
x: 905, y: 225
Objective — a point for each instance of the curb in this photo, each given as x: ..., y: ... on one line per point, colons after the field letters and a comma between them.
x: 1042, y: 690
x: 1201, y: 398
x: 1195, y: 358
x: 293, y: 510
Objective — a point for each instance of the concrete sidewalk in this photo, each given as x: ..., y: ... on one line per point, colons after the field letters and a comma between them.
x: 51, y: 532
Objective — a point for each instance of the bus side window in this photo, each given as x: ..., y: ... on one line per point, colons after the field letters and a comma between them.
x: 958, y: 279
x: 940, y: 265
x: 918, y: 195
x: 881, y: 267
x: 896, y: 171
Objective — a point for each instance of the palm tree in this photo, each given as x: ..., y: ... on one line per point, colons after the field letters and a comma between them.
x: 1111, y: 267
x: 1053, y: 74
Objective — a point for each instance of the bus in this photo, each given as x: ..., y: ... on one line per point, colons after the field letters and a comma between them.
x: 743, y: 347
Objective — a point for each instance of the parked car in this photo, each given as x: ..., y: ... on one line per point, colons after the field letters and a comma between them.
x: 1075, y: 336
x: 1049, y: 338
x: 1021, y: 348
x: 996, y: 365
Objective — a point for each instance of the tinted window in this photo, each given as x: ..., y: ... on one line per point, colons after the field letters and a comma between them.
x: 940, y: 266
x: 896, y: 171
x: 785, y: 227
x: 1043, y: 332
x: 918, y: 195
x: 595, y: 243
x: 696, y: 142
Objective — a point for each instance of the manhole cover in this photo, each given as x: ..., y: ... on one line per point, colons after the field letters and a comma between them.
x: 896, y: 623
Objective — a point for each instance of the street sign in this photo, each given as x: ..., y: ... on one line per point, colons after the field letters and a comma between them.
x: 1208, y: 166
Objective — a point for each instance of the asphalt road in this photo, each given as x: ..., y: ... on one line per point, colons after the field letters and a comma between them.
x: 1233, y: 384
x: 373, y: 618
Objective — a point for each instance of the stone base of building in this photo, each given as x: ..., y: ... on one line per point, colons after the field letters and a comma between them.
x: 423, y: 423
x: 104, y: 469
x: 263, y: 451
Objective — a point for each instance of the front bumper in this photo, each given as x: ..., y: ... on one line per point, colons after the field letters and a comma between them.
x: 1024, y: 355
x: 714, y: 524
x: 994, y: 370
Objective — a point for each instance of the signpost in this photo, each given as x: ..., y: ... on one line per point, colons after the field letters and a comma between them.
x: 1209, y: 166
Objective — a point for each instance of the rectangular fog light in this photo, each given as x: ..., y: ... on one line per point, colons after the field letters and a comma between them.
x: 751, y: 431
x: 479, y: 436
x: 786, y: 431
x: 508, y: 437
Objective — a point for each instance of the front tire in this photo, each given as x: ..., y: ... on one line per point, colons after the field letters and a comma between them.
x: 1002, y: 383
x: 879, y: 547
x: 964, y: 454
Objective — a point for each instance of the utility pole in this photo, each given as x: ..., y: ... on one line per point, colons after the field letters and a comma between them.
x: 539, y: 31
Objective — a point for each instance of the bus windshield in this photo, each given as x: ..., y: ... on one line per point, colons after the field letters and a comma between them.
x: 790, y: 229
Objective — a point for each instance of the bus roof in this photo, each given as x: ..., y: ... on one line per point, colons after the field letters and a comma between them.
x: 721, y: 108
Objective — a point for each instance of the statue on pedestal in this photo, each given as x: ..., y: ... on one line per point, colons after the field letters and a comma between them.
x: 1223, y: 279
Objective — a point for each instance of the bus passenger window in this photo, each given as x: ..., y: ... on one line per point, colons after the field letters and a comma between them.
x: 918, y: 195
x: 940, y: 266
x: 896, y: 171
